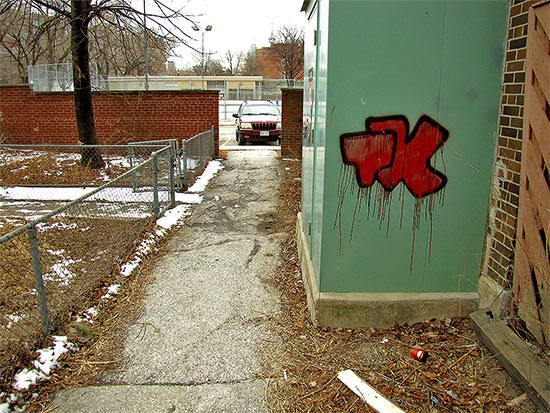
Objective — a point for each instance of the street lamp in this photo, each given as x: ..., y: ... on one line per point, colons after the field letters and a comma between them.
x: 203, y: 62
x: 145, y: 47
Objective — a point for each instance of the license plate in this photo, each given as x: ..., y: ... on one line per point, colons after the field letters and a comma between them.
x: 264, y: 133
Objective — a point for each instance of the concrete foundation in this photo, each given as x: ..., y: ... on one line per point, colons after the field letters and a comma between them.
x: 378, y: 310
x: 492, y: 296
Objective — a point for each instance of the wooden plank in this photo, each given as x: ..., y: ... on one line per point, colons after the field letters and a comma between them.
x: 542, y: 10
x: 530, y: 251
x: 538, y: 59
x: 515, y: 356
x: 525, y: 299
x: 534, y: 116
x: 534, y: 248
x: 367, y: 393
x: 538, y: 192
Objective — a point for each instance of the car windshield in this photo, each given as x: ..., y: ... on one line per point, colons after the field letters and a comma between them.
x: 261, y: 110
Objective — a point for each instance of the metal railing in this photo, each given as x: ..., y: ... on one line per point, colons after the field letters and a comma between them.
x: 51, y: 266
x: 196, y: 152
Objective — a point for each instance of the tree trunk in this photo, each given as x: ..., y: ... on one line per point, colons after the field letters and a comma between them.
x: 80, y: 13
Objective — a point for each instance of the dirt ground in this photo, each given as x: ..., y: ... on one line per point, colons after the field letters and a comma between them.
x: 460, y: 374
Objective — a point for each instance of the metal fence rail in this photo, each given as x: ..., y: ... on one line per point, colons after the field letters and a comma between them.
x: 196, y: 152
x: 51, y: 266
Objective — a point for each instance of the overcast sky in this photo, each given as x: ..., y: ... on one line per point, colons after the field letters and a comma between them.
x: 236, y: 24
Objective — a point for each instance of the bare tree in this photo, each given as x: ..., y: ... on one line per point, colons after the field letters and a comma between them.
x: 120, y: 53
x: 233, y: 62
x: 249, y: 67
x: 288, y: 45
x: 120, y: 15
x: 28, y: 37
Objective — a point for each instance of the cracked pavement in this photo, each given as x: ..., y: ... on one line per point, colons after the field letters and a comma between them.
x: 197, y: 345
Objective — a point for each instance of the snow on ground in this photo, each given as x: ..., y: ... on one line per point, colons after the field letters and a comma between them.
x: 43, y: 366
x: 209, y: 172
x: 47, y: 358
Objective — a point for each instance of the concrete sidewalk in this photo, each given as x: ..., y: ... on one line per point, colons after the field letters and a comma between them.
x: 198, y: 344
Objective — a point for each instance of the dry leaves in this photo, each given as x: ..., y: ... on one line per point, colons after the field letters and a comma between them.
x: 460, y: 374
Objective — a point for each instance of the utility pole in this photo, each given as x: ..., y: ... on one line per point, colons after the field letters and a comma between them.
x: 145, y: 47
x: 203, y: 60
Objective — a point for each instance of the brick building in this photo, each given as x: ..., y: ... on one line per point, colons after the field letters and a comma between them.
x: 269, y: 63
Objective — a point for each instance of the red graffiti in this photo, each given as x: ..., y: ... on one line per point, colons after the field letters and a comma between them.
x: 386, y: 152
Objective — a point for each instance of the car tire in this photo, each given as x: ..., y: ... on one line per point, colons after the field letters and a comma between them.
x: 240, y: 139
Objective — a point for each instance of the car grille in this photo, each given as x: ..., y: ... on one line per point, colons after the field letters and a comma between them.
x: 264, y: 125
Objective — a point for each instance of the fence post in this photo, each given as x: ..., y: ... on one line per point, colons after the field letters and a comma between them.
x: 225, y: 92
x: 177, y: 160
x: 131, y: 160
x: 154, y: 171
x: 212, y: 144
x: 171, y: 174
x: 201, y: 140
x: 184, y: 160
x: 38, y: 281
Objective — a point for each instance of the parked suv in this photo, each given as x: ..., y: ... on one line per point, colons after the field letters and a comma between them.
x: 258, y: 120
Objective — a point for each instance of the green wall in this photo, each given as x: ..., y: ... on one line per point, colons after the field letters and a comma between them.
x: 380, y: 58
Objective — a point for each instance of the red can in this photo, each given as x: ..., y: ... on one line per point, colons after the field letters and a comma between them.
x: 420, y: 355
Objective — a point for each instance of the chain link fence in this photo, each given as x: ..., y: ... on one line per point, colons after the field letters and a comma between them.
x: 52, y: 266
x: 190, y: 159
x: 196, y: 152
x: 59, y: 77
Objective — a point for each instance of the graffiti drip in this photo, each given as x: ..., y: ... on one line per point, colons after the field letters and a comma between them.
x: 385, y: 152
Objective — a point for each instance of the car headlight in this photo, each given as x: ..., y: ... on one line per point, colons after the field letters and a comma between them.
x: 246, y: 125
x: 279, y: 125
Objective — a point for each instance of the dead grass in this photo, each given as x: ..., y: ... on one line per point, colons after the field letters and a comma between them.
x: 223, y: 154
x: 52, y: 168
x: 103, y: 351
x: 459, y: 375
x: 76, y: 260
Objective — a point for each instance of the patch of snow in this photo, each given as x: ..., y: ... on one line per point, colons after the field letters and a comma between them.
x: 92, y: 311
x: 47, y: 361
x: 12, y: 319
x: 57, y: 225
x: 192, y: 163
x: 111, y: 291
x: 172, y: 216
x: 209, y: 172
x: 188, y: 198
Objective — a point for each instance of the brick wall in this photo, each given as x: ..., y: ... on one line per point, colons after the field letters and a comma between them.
x: 291, y: 139
x: 49, y: 118
x: 501, y: 239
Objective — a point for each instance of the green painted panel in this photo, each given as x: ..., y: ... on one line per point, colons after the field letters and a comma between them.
x: 438, y: 58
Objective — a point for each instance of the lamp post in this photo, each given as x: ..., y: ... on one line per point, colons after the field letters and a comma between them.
x: 203, y: 63
x: 145, y: 47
